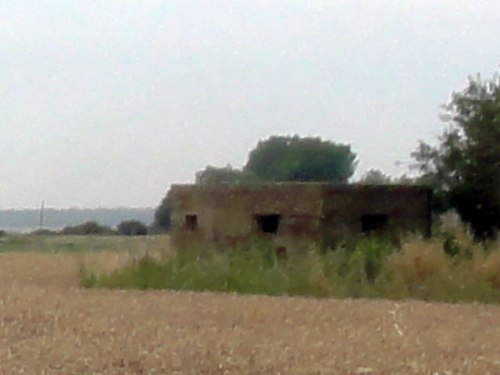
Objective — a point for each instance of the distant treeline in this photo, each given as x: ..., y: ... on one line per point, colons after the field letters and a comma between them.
x: 26, y: 220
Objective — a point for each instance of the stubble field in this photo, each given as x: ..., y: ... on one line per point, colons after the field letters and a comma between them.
x: 48, y: 325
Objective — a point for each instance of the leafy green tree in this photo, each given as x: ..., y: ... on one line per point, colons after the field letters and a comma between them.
x: 287, y: 158
x: 132, y: 228
x: 226, y: 175
x: 162, y: 217
x: 375, y: 177
x: 464, y: 168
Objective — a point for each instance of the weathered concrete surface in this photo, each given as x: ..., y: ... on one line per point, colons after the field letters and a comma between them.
x: 322, y: 213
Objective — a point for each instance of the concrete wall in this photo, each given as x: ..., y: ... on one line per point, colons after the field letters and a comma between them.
x: 406, y: 208
x: 228, y: 215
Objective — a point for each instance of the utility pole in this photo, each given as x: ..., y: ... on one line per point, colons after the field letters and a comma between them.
x: 42, y: 208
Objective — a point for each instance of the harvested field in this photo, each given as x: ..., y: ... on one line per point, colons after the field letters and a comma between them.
x: 48, y: 325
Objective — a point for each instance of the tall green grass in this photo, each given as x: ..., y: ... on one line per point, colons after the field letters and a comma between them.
x: 419, y: 269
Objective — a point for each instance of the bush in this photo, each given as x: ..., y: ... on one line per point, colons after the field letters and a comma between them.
x: 372, y: 269
x: 132, y: 228
x: 43, y: 232
x: 254, y: 270
x: 163, y: 215
x: 87, y: 228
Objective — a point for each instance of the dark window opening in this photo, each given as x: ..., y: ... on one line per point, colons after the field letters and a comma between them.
x: 374, y: 223
x: 191, y: 222
x: 268, y: 223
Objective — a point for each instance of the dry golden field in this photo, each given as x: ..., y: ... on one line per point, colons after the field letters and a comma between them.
x: 48, y: 325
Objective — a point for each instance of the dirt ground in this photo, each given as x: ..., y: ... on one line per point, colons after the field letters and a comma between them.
x: 50, y: 326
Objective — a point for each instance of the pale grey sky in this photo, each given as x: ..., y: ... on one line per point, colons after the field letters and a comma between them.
x: 106, y: 103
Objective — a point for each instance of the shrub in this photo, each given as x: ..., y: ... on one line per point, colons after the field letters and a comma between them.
x: 132, y: 228
x: 87, y: 228
x: 43, y: 232
x: 163, y: 215
x: 372, y: 269
x: 368, y: 257
x: 418, y: 261
x: 251, y: 270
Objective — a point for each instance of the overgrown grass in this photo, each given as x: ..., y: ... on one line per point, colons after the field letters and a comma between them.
x: 419, y: 269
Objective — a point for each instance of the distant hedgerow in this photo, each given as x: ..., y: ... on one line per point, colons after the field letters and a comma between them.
x: 87, y: 228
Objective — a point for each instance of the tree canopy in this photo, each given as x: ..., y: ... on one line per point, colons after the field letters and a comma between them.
x: 225, y: 175
x: 464, y: 168
x: 375, y: 177
x: 284, y: 158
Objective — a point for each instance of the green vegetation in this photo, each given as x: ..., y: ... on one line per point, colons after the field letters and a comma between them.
x: 135, y: 246
x: 225, y: 175
x: 285, y: 158
x: 301, y: 159
x: 464, y: 168
x: 89, y: 227
x: 132, y: 228
x: 449, y: 267
x: 162, y: 216
x: 373, y: 269
x: 375, y: 177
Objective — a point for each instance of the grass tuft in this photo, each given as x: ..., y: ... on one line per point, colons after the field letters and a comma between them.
x: 419, y: 269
